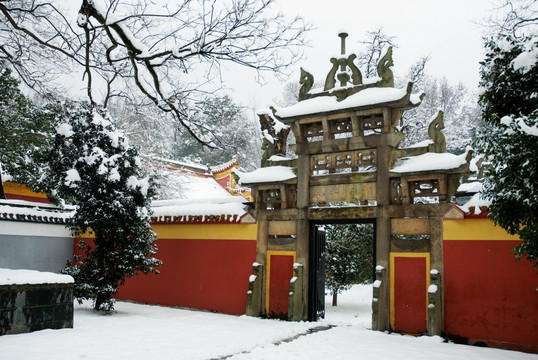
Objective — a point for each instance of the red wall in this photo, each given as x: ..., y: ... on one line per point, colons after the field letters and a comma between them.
x: 488, y: 296
x: 203, y: 274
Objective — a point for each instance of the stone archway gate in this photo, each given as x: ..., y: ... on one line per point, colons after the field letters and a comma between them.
x: 349, y: 166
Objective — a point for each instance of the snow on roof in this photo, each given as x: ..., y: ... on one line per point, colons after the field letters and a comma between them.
x: 223, y: 209
x: 423, y: 143
x: 22, y: 277
x: 183, y: 164
x: 472, y: 187
x: 476, y: 205
x: 223, y: 167
x: 370, y: 96
x: 276, y: 158
x: 429, y: 162
x: 184, y: 185
x: 266, y: 174
x: 190, y: 197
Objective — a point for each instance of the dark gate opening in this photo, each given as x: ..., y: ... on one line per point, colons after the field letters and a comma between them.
x: 318, y: 261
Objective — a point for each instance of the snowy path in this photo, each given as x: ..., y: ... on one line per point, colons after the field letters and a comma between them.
x: 153, y: 332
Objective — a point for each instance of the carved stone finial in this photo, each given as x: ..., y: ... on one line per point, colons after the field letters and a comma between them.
x: 343, y: 36
x: 330, y: 80
x: 434, y: 130
x: 356, y: 75
x: 384, y: 71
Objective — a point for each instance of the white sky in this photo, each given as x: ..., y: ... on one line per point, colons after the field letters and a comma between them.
x: 447, y: 31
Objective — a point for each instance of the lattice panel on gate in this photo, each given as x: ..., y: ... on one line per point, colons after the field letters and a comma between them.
x: 313, y: 131
x: 372, y: 124
x: 342, y: 162
x: 424, y: 191
x: 341, y: 128
x: 272, y: 199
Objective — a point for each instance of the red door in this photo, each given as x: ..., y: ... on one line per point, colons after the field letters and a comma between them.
x: 280, y: 274
x: 409, y: 296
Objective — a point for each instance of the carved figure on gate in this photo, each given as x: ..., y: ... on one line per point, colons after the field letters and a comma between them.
x: 274, y: 137
x: 434, y: 130
x: 384, y: 71
x: 307, y: 80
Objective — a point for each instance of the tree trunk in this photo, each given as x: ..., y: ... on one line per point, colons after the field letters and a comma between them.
x: 335, y: 298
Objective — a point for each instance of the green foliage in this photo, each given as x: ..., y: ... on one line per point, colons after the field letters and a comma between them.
x: 509, y: 139
x: 24, y: 129
x: 349, y: 250
x: 92, y: 166
x: 234, y: 136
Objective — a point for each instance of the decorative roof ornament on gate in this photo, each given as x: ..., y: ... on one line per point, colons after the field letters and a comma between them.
x: 345, y: 87
x: 345, y: 78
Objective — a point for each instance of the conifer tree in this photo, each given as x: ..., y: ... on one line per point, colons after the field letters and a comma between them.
x: 349, y: 250
x: 509, y: 102
x: 92, y: 166
x: 24, y: 129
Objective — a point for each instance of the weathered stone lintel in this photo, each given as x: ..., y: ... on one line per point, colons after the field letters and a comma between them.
x: 344, y: 212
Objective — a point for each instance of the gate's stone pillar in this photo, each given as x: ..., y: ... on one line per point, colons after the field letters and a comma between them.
x: 436, y: 324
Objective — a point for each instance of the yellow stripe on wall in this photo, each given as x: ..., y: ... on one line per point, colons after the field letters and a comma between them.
x: 207, y: 231
x: 13, y: 188
x: 474, y: 229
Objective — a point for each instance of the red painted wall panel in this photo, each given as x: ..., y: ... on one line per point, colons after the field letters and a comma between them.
x: 410, y: 295
x: 489, y: 296
x: 281, y: 273
x: 202, y: 274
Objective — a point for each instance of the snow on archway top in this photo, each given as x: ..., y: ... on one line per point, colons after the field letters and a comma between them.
x: 365, y: 98
x: 268, y: 174
x: 430, y: 162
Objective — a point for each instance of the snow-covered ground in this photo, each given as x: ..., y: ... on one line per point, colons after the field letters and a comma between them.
x: 136, y: 331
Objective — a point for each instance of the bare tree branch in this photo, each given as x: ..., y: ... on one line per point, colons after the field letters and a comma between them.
x: 151, y: 45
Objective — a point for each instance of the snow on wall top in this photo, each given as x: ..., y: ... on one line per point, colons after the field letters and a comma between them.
x: 266, y: 174
x: 21, y: 210
x: 370, y: 96
x: 22, y: 277
x: 429, y: 162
